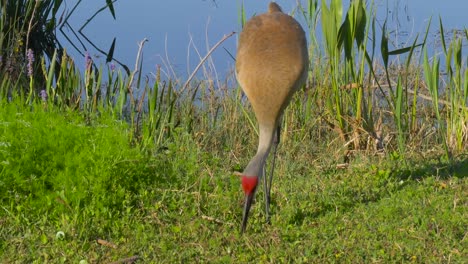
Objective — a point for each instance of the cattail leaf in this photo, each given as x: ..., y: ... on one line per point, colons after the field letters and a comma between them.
x: 57, y: 4
x: 384, y: 44
x: 403, y: 50
x: 110, y: 53
x: 442, y: 35
x: 361, y: 19
x: 111, y: 7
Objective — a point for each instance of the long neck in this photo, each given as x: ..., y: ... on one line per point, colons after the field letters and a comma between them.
x: 255, y: 166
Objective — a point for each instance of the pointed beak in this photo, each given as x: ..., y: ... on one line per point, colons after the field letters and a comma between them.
x: 248, y: 202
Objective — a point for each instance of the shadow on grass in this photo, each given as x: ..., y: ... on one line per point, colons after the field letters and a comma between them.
x: 345, y: 197
x: 139, y: 174
x: 441, y: 169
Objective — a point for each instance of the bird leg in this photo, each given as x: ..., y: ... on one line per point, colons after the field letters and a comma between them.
x: 267, y: 182
x: 267, y: 196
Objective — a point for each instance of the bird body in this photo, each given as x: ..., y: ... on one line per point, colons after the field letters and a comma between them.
x: 271, y: 64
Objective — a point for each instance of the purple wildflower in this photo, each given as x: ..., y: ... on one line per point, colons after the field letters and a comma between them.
x: 112, y: 66
x: 43, y: 95
x: 30, y: 57
x: 88, y: 60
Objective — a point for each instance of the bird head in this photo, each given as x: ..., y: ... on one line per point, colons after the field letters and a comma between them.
x: 249, y: 184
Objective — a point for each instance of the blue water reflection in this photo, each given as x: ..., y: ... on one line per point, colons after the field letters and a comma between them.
x: 175, y: 27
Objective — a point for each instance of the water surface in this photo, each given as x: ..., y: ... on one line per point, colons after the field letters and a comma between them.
x: 175, y: 29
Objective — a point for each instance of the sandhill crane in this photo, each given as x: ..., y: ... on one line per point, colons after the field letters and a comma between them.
x: 271, y: 64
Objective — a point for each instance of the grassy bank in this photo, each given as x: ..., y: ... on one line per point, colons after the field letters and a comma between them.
x: 100, y: 166
x: 75, y: 189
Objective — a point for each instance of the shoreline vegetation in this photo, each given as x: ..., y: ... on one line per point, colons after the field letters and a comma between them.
x: 108, y: 165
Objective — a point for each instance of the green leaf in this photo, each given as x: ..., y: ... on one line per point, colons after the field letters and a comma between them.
x: 412, y: 47
x: 111, y: 7
x: 384, y: 44
x: 403, y: 50
x: 110, y: 53
x: 242, y: 17
x: 442, y: 35
x: 344, y: 38
x: 458, y: 53
x: 57, y: 4
x: 44, y: 239
x: 50, y: 75
x: 331, y: 18
x: 361, y: 18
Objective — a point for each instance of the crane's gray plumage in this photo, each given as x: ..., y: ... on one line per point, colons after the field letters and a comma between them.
x: 271, y: 64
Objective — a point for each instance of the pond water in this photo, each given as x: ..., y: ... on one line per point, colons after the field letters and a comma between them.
x: 175, y: 29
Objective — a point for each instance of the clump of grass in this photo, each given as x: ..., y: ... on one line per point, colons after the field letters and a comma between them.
x: 453, y: 127
x: 74, y: 188
x: 69, y: 175
x: 102, y: 171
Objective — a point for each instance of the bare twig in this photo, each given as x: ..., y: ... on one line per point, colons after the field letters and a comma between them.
x: 174, y: 75
x: 342, y: 166
x: 428, y: 98
x: 60, y: 200
x: 106, y: 243
x: 139, y: 111
x: 211, y: 63
x: 131, y: 259
x: 203, y: 60
x: 212, y: 219
x: 422, y: 96
x: 135, y: 70
x: 31, y: 25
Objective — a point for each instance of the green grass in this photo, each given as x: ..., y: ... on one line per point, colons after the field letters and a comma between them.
x: 372, y: 166
x: 61, y: 172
